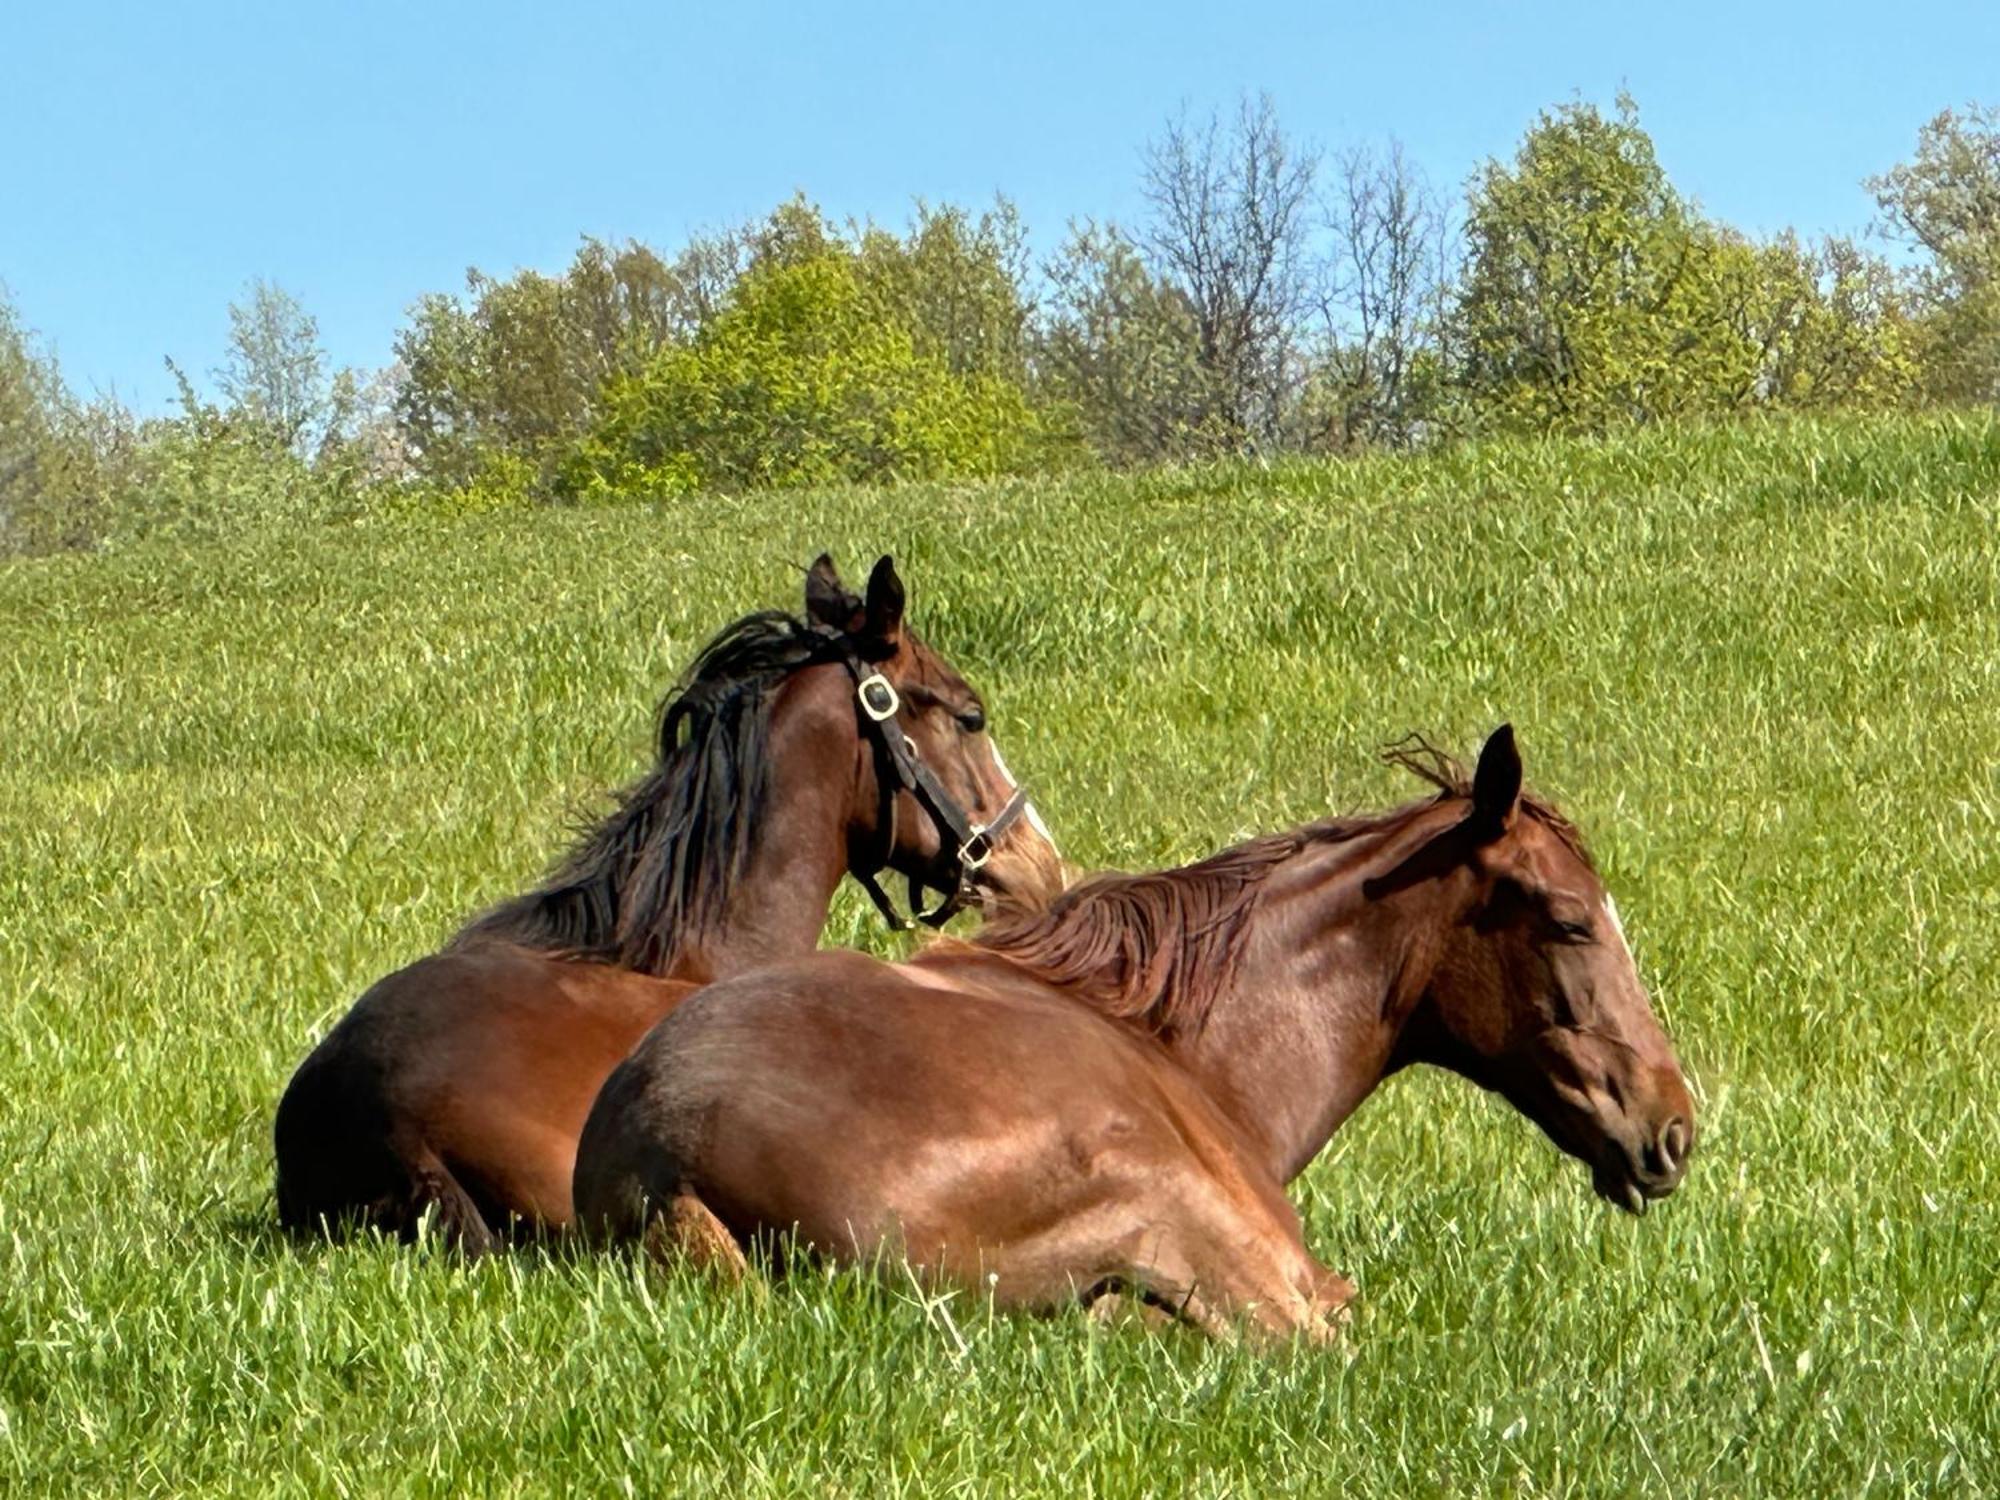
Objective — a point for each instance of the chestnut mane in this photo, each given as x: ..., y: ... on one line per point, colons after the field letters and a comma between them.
x: 1158, y: 949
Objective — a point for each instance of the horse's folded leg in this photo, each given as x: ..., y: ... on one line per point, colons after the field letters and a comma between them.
x: 1332, y: 1296
x: 458, y: 1221
x: 683, y: 1231
x: 1169, y: 1293
x: 1233, y: 1300
x: 1108, y: 1309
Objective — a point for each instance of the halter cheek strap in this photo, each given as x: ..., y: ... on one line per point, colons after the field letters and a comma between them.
x: 899, y: 768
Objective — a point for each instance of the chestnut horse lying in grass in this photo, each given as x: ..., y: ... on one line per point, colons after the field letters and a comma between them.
x: 793, y: 753
x: 1112, y: 1094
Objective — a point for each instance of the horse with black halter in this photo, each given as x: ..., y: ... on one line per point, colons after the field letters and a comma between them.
x: 795, y: 751
x: 1111, y: 1095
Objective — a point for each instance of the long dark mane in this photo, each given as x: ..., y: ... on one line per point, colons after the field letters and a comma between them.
x: 1158, y: 949
x: 653, y: 875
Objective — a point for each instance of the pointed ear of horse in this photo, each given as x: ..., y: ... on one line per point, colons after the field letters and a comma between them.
x: 827, y: 601
x: 1496, y: 802
x: 884, y: 621
x: 1496, y: 785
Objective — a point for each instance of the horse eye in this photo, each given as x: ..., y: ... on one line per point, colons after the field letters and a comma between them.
x: 1576, y: 932
x: 973, y: 720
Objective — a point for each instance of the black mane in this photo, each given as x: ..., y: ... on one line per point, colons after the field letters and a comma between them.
x: 653, y: 875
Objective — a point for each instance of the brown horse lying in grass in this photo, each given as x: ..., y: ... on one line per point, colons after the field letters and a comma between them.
x: 794, y: 752
x: 1112, y: 1094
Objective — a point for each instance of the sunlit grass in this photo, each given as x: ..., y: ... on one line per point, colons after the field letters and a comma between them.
x: 1761, y: 667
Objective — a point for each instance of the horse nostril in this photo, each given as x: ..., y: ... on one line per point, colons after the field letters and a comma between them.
x: 1673, y: 1146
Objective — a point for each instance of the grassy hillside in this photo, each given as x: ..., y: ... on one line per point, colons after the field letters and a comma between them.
x: 1761, y: 668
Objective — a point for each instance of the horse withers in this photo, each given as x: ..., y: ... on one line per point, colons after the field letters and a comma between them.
x: 1110, y: 1095
x: 793, y: 752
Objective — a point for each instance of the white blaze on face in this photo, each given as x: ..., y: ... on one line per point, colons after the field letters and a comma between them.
x: 1617, y: 927
x: 1028, y: 808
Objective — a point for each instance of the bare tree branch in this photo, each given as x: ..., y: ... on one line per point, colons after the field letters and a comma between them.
x: 1230, y: 221
x: 1380, y: 294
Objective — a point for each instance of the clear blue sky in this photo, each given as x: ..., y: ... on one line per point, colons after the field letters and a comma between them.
x: 157, y: 156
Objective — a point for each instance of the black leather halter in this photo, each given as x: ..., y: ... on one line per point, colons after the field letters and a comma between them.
x: 898, y: 768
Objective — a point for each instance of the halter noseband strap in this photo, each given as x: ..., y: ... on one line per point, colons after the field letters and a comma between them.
x: 898, y: 768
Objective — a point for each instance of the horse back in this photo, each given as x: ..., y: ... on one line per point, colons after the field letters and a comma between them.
x: 872, y: 1106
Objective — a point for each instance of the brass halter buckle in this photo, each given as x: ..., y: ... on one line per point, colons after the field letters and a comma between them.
x: 878, y: 697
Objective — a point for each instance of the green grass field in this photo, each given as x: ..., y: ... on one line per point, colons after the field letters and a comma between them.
x: 1761, y: 668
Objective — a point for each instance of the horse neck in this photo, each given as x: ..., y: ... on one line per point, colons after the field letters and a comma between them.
x: 1309, y: 1023
x: 798, y: 848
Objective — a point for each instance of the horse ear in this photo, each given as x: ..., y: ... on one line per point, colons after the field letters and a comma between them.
x: 885, y: 603
x: 1496, y: 785
x: 827, y: 600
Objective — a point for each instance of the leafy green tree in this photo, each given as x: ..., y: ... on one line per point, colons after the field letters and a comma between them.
x: 214, y: 469
x: 62, y: 460
x: 284, y: 443
x: 34, y: 487
x: 1817, y: 327
x: 29, y: 385
x: 804, y: 377
x: 515, y: 367
x: 1863, y: 346
x: 958, y: 284
x: 1590, y: 291
x: 1945, y: 201
x: 1947, y: 198
x: 1119, y: 348
x: 274, y: 375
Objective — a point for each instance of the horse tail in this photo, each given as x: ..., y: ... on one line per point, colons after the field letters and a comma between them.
x: 342, y: 1164
x: 325, y: 1172
x: 619, y: 1174
x: 630, y: 1185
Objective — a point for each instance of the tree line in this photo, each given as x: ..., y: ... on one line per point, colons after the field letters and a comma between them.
x: 1271, y: 299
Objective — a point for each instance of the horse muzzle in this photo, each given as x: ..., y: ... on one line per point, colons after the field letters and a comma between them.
x: 1631, y: 1175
